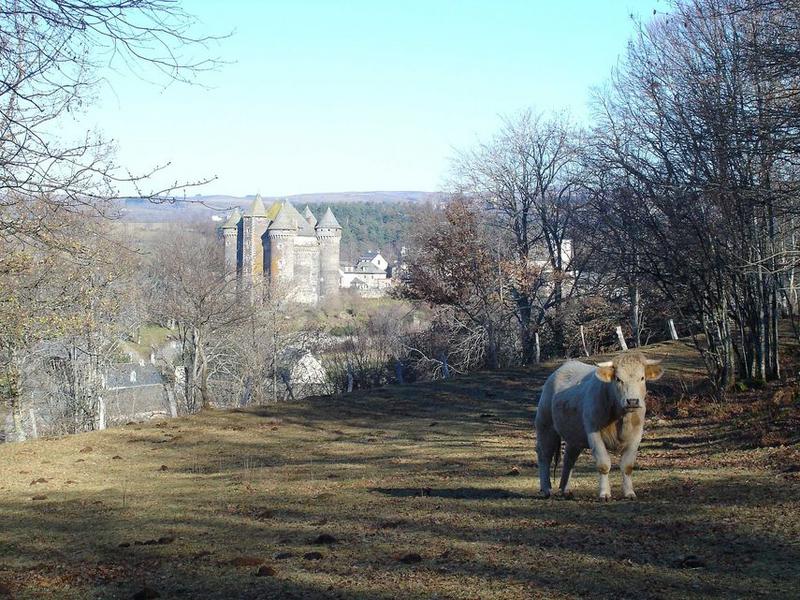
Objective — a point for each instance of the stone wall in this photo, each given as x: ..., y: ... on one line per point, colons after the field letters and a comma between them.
x: 281, y: 257
x: 329, y: 241
x: 305, y: 287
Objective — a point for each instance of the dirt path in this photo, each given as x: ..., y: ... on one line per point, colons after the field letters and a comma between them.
x: 424, y: 491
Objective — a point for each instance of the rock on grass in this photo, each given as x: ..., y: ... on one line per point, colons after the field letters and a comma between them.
x: 146, y: 593
x: 410, y: 558
x: 690, y: 561
x: 265, y: 571
x: 325, y: 538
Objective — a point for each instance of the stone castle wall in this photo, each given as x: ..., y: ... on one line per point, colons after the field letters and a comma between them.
x: 276, y: 244
x: 305, y: 286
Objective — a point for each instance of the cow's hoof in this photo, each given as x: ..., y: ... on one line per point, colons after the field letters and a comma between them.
x: 631, y: 496
x: 605, y: 497
x: 567, y: 495
x: 544, y: 495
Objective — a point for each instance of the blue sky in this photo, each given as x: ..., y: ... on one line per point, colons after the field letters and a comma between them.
x: 326, y: 96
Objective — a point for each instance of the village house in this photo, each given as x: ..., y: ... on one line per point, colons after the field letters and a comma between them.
x: 369, y: 277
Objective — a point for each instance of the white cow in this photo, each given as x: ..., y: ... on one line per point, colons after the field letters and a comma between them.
x: 601, y: 408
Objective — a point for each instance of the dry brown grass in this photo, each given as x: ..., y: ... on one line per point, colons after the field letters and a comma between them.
x: 427, y: 491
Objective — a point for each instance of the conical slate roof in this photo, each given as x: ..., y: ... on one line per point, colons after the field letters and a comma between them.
x: 284, y: 221
x: 328, y: 221
x: 309, y: 216
x: 233, y: 220
x: 274, y: 209
x: 257, y: 208
x: 298, y: 219
x: 306, y: 229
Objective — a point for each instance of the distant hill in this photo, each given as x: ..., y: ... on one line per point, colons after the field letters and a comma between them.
x: 331, y: 197
x: 203, y: 206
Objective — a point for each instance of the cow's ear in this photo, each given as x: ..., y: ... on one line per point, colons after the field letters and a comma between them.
x: 652, y: 370
x: 605, y: 371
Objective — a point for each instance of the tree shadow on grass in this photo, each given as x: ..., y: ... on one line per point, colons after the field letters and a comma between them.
x: 459, y: 493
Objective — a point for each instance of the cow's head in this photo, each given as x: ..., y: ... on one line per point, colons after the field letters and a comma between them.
x: 628, y: 375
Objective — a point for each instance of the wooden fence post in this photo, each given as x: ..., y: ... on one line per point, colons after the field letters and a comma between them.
x: 34, y: 429
x: 621, y: 338
x: 101, y: 413
x: 672, y: 332
x: 583, y: 341
x: 173, y: 403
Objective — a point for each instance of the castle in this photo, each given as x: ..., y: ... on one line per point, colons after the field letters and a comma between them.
x: 293, y: 251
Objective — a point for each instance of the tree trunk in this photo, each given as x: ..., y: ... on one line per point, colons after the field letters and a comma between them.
x: 16, y: 419
x: 13, y: 383
x: 205, y: 397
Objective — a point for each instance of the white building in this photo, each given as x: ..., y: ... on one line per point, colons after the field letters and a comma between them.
x: 369, y: 277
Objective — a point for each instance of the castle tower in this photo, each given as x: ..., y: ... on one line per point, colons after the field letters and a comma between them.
x: 309, y: 217
x: 254, y: 225
x: 306, y: 262
x: 329, y: 234
x: 230, y: 235
x: 281, y: 234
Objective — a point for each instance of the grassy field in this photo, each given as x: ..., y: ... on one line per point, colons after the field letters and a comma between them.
x: 150, y: 336
x: 421, y: 491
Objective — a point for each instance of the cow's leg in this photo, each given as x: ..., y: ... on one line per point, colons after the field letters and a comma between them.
x: 626, y: 466
x: 571, y: 454
x: 603, y: 462
x: 548, y: 442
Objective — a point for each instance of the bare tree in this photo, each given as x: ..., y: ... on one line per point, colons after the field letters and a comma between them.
x: 528, y: 178
x: 702, y: 135
x: 52, y: 53
x: 192, y: 289
x: 60, y: 319
x: 455, y: 263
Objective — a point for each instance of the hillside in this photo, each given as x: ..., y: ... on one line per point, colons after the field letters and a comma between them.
x: 419, y: 491
x: 201, y: 207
